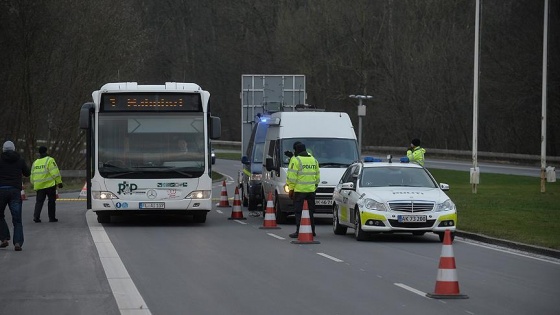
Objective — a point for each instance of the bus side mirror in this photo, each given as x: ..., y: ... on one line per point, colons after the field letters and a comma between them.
x: 85, y: 112
x: 245, y: 160
x: 215, y: 127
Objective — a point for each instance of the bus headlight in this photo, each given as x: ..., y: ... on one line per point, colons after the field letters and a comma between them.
x: 103, y: 195
x: 199, y: 194
x: 286, y: 189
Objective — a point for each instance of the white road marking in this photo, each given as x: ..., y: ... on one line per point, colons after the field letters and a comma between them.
x: 240, y: 222
x: 330, y: 257
x: 125, y: 292
x: 513, y: 252
x: 219, y: 211
x: 413, y: 290
x: 276, y: 236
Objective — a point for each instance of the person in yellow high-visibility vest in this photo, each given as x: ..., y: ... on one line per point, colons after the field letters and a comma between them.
x: 415, y: 152
x: 45, y: 177
x: 302, y: 180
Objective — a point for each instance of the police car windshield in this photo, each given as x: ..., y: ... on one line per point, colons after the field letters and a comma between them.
x: 395, y: 176
x: 329, y: 152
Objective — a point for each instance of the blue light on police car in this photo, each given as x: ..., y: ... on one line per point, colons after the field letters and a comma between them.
x: 368, y: 159
x: 405, y: 160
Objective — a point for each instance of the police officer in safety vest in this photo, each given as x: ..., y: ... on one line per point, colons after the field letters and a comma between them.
x: 302, y: 180
x: 415, y: 153
x: 45, y: 177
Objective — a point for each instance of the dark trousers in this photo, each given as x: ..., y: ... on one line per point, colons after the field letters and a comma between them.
x: 11, y: 197
x: 299, y: 199
x: 42, y: 194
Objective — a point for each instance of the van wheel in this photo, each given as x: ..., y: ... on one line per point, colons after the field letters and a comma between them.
x: 358, y: 232
x: 103, y: 218
x: 337, y: 228
x: 245, y: 200
x: 281, y: 217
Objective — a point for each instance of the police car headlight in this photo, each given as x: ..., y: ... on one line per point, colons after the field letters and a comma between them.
x: 103, y: 195
x: 199, y: 194
x: 255, y: 177
x: 447, y: 205
x: 373, y: 205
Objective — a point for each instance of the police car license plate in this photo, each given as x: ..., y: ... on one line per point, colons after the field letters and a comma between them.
x: 152, y: 205
x: 411, y: 218
x: 323, y: 202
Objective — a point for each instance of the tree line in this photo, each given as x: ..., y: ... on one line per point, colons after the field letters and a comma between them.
x: 415, y: 57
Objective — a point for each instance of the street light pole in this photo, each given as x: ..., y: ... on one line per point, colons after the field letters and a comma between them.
x: 361, y: 113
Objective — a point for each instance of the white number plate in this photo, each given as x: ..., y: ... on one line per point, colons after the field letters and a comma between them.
x: 152, y: 205
x: 412, y: 218
x: 323, y: 202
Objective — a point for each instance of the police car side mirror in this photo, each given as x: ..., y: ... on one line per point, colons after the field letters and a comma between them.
x: 443, y: 186
x: 348, y: 185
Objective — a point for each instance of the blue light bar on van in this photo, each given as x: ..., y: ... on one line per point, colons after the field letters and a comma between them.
x: 369, y: 159
x: 405, y: 160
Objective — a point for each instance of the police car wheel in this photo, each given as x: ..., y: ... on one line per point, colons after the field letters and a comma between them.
x: 103, y: 218
x: 337, y: 228
x: 358, y: 232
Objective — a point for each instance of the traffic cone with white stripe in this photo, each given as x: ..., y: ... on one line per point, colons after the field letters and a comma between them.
x: 236, y: 212
x: 224, y: 202
x: 269, y: 215
x: 305, y: 233
x: 23, y: 195
x: 83, y: 192
x: 447, y: 285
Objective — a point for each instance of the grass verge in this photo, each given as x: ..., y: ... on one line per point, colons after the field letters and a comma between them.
x: 506, y: 206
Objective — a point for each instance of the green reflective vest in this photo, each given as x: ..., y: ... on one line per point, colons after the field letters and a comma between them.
x: 303, y: 174
x: 45, y: 173
x: 416, y: 155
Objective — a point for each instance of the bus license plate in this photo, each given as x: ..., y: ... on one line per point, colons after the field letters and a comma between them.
x: 152, y: 205
x: 323, y: 202
x: 411, y: 218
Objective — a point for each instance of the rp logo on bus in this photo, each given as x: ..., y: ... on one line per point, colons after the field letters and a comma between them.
x: 126, y: 188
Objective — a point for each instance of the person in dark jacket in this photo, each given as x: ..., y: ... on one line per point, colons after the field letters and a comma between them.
x: 12, y: 170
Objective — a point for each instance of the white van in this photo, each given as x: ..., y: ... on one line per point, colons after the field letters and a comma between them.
x: 328, y: 136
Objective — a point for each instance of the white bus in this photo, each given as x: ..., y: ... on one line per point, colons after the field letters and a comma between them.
x: 148, y: 150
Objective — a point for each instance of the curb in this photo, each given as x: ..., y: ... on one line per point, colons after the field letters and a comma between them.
x: 510, y: 244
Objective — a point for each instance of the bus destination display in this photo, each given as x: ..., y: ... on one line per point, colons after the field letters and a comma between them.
x: 150, y: 102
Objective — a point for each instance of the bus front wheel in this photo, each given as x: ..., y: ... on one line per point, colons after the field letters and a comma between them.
x: 103, y: 218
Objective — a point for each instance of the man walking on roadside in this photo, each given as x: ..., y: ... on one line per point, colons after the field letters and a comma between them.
x: 45, y: 177
x: 12, y: 170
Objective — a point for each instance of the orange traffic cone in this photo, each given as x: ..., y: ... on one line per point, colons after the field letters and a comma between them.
x: 224, y: 202
x: 83, y: 192
x: 236, y: 213
x: 270, y: 215
x: 447, y: 285
x: 305, y: 233
x: 23, y: 195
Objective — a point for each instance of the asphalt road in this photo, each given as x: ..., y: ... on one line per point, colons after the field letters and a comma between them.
x: 170, y: 265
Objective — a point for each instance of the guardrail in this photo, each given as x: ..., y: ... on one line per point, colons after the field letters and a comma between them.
x: 457, y: 154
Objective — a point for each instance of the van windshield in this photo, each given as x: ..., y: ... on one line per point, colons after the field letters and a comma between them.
x: 329, y: 152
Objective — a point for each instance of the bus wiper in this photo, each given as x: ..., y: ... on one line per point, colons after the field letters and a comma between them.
x: 113, y: 175
x: 189, y: 175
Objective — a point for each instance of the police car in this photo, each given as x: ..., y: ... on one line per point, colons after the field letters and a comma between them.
x: 391, y: 197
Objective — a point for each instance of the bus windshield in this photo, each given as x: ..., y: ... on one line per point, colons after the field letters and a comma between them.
x: 143, y: 145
